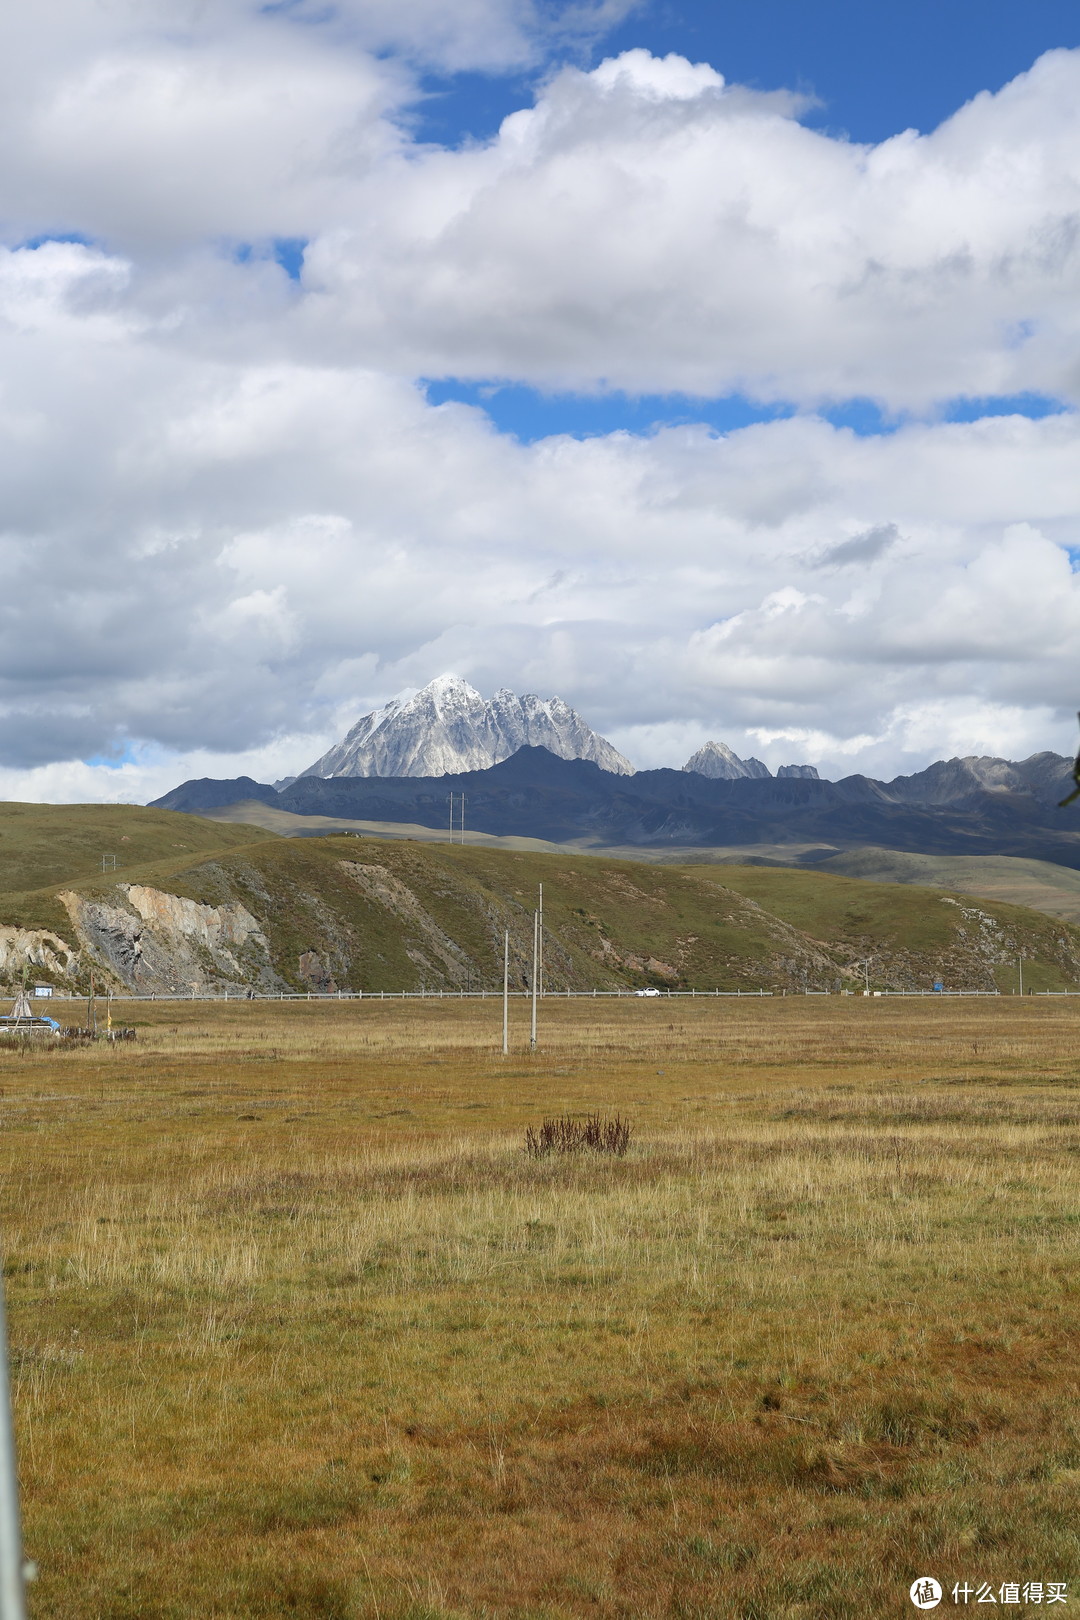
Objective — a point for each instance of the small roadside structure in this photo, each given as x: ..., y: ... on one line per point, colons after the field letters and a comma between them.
x: 25, y: 1023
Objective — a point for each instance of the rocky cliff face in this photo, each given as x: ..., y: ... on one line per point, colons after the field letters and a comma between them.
x: 153, y: 941
x: 448, y: 727
x: 35, y: 950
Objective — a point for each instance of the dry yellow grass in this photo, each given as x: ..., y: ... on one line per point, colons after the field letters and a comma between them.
x: 298, y: 1329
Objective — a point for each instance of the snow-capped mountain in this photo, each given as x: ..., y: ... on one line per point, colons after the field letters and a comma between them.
x: 720, y: 762
x: 447, y: 727
x: 717, y: 760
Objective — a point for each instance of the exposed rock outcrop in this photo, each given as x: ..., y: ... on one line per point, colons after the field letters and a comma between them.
x: 35, y: 949
x: 150, y: 940
x: 316, y: 972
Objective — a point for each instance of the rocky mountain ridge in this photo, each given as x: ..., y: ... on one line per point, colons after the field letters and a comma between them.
x: 718, y: 761
x: 447, y: 728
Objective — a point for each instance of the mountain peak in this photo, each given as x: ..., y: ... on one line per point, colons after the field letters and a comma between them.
x: 448, y: 727
x: 717, y: 760
x: 448, y: 686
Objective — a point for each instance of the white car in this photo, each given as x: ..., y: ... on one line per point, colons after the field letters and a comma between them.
x: 650, y: 990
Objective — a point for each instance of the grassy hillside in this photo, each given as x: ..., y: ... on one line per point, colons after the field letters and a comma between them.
x: 345, y: 913
x: 44, y: 844
x: 372, y: 914
x: 889, y: 921
x: 610, y: 922
x: 1041, y: 885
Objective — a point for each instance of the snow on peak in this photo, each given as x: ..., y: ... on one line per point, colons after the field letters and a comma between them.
x: 448, y: 727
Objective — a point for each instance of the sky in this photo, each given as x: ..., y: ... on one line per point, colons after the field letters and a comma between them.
x: 712, y: 366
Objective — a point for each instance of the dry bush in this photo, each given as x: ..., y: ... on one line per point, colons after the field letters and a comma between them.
x: 593, y: 1134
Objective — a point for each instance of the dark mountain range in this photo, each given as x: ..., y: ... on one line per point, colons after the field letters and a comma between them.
x: 1047, y: 777
x: 971, y: 806
x: 210, y: 792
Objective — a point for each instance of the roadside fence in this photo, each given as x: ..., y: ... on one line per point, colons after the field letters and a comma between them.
x: 546, y: 995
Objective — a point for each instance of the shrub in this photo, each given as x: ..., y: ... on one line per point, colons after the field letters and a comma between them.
x: 589, y: 1135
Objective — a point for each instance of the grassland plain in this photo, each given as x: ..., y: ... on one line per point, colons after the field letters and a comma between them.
x: 299, y: 1329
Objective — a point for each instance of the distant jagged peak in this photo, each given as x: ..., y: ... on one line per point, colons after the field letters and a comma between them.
x: 717, y: 760
x: 447, y: 727
x: 808, y: 772
x: 1046, y: 776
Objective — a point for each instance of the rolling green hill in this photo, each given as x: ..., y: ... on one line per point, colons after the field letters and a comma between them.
x: 1042, y: 885
x: 242, y: 908
x: 54, y: 843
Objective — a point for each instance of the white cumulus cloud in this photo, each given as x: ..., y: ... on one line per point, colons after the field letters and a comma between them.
x: 232, y: 520
x: 647, y: 227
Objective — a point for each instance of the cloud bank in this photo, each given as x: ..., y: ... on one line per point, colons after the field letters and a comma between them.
x: 232, y: 520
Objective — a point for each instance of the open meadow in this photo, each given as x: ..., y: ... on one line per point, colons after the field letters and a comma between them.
x: 299, y: 1329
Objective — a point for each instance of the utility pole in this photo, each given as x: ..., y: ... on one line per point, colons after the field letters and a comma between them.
x: 1020, y: 965
x: 506, y: 992
x: 13, y: 1572
x: 463, y: 818
x: 540, y: 950
x: 535, y: 964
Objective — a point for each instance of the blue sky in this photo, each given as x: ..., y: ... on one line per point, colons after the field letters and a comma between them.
x: 530, y: 415
x: 875, y: 69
